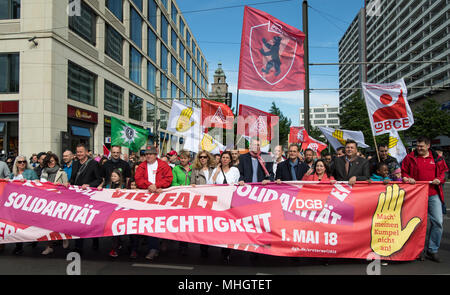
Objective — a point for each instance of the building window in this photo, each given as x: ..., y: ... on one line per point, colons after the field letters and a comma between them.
x: 85, y: 24
x: 173, y: 39
x: 163, y: 87
x: 152, y: 7
x: 173, y: 66
x: 135, y: 65
x: 113, y: 98
x: 138, y: 3
x: 333, y: 110
x: 182, y: 51
x: 116, y: 7
x: 9, y: 73
x: 181, y: 78
x: 332, y: 121
x: 164, y: 57
x: 319, y: 116
x: 163, y: 118
x: 181, y: 27
x: 319, y: 110
x: 135, y: 105
x: 188, y: 39
x: 150, y: 112
x: 136, y: 27
x: 81, y: 84
x: 151, y: 46
x: 151, y: 78
x: 9, y: 9
x: 164, y: 29
x: 188, y: 63
x: 173, y: 89
x: 174, y: 13
x: 164, y: 2
x: 319, y: 121
x: 113, y: 44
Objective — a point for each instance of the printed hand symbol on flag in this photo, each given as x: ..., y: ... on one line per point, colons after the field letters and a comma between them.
x: 207, y: 143
x: 388, y: 236
x: 339, y: 135
x: 392, y: 142
x: 183, y: 123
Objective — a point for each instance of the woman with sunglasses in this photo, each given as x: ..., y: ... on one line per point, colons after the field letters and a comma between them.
x: 22, y: 170
x: 202, y: 168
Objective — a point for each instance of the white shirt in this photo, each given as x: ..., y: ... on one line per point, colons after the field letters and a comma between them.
x: 151, y: 172
x: 232, y: 176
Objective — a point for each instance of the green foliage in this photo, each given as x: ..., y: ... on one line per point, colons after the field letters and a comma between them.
x: 354, y: 116
x: 430, y: 120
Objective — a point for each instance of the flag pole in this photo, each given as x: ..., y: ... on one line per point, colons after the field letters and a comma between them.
x: 306, y: 63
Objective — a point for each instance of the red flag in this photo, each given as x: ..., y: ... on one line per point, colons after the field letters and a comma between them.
x: 315, y: 145
x: 216, y: 114
x: 298, y: 135
x: 255, y: 123
x: 106, y: 152
x: 271, y: 54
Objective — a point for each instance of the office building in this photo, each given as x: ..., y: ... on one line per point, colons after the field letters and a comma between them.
x: 72, y: 65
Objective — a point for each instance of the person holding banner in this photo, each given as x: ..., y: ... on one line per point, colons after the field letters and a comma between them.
x: 153, y: 175
x: 390, y: 161
x: 202, y: 168
x: 224, y: 173
x: 321, y: 173
x: 202, y: 172
x: 423, y: 164
x: 350, y: 167
x: 293, y: 168
x: 252, y: 167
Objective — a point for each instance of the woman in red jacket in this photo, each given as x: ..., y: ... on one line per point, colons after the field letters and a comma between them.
x: 153, y: 175
x: 320, y: 172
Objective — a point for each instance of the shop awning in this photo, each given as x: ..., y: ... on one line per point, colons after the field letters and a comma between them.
x: 80, y: 131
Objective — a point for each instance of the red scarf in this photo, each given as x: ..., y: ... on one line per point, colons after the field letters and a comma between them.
x: 261, y: 161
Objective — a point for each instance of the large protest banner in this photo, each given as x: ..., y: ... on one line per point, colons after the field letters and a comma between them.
x: 298, y: 219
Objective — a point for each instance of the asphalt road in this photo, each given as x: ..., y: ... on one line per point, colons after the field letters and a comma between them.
x: 97, y: 262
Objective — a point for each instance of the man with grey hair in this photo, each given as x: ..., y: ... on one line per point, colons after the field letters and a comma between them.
x: 4, y: 170
x: 68, y: 161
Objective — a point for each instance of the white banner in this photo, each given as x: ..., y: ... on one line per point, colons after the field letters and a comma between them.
x: 396, y: 147
x: 388, y: 107
x: 183, y: 119
x: 337, y: 138
x: 206, y: 142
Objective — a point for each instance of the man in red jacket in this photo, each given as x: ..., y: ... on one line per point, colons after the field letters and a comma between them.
x: 424, y: 164
x: 153, y: 175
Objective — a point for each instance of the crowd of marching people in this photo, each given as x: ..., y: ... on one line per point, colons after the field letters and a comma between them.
x: 151, y: 171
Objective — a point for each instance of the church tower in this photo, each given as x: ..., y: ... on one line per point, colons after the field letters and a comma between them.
x: 219, y: 89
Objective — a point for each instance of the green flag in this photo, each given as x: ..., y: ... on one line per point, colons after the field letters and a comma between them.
x: 124, y: 134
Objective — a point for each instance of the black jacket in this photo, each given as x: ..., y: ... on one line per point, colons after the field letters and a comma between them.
x: 284, y: 170
x: 90, y: 175
x: 359, y: 168
x: 246, y: 169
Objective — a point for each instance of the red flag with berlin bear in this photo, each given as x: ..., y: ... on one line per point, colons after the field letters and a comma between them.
x: 272, y: 53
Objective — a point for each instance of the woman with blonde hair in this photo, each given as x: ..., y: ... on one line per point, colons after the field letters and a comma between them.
x: 202, y: 168
x: 22, y: 170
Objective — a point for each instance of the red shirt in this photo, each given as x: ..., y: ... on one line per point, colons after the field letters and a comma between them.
x: 426, y: 169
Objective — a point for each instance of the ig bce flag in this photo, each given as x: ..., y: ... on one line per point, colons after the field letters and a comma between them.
x: 388, y: 106
x: 127, y: 135
x: 272, y: 54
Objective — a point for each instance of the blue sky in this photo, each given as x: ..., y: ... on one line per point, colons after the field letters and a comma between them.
x: 218, y: 33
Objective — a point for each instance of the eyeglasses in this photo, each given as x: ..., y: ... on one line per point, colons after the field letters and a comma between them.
x: 21, y: 162
x: 203, y: 157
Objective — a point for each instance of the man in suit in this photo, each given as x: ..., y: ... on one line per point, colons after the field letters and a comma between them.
x: 350, y: 167
x: 253, y: 168
x: 293, y: 168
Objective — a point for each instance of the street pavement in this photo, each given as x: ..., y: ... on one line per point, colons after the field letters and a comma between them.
x: 97, y: 262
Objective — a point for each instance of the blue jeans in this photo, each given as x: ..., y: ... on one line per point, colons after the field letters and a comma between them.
x: 436, y: 219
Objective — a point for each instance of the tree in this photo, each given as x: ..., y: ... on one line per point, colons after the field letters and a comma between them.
x: 284, y: 124
x: 430, y: 120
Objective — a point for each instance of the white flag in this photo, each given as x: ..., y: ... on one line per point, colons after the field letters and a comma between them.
x: 396, y: 147
x: 337, y: 138
x: 204, y: 142
x: 184, y: 120
x: 388, y: 107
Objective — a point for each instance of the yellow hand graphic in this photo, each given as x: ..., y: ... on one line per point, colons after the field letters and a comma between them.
x: 207, y: 143
x: 339, y: 135
x: 183, y: 123
x: 388, y: 236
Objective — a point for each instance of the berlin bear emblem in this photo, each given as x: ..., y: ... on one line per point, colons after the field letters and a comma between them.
x: 274, y: 53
